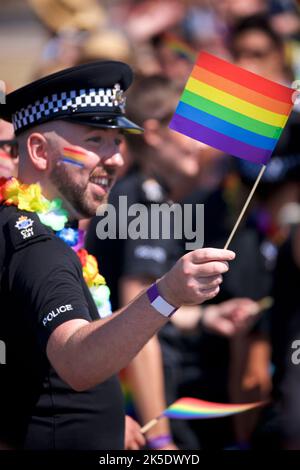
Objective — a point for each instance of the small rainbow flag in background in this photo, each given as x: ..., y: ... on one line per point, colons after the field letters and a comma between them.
x: 232, y: 109
x: 180, y: 47
x: 74, y: 156
x: 128, y: 397
x: 193, y: 408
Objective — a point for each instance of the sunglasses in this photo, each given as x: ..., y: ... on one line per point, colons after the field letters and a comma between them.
x: 253, y: 53
x: 10, y: 147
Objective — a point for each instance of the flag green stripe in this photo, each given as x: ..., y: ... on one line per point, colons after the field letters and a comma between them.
x: 230, y: 116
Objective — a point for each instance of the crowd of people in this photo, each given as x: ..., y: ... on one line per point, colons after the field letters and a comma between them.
x: 201, y: 352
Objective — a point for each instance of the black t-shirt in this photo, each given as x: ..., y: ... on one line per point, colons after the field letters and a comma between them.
x: 42, y: 286
x: 285, y: 328
x: 205, y: 356
x: 149, y: 258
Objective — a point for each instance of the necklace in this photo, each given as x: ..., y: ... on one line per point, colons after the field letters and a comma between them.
x: 29, y: 197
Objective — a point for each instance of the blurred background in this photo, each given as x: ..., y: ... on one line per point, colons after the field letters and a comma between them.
x: 40, y: 34
x: 160, y: 40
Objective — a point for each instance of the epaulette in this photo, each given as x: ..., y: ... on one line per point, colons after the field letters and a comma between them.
x: 18, y: 229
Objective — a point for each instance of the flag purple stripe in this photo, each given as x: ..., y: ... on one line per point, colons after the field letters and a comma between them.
x: 179, y: 415
x: 219, y: 141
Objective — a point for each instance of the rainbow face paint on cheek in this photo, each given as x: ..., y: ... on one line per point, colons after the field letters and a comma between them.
x: 74, y: 156
x: 5, y: 161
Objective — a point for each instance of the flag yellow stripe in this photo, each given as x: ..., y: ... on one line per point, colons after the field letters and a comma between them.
x: 235, y: 104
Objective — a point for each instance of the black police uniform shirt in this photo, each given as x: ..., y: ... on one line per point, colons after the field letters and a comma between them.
x: 149, y: 258
x: 285, y: 329
x: 208, y: 354
x: 42, y: 287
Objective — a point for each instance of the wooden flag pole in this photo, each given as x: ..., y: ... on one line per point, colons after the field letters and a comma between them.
x: 262, y: 170
x: 149, y: 425
x: 265, y: 303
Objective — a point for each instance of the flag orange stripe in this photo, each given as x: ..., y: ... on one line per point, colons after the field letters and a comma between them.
x: 244, y: 77
x: 240, y: 91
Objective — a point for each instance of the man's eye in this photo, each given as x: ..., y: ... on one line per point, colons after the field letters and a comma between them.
x: 118, y: 140
x: 94, y: 139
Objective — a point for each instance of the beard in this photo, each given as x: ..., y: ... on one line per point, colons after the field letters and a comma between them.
x: 75, y: 194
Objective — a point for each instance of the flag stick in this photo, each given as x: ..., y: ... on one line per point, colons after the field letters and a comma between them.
x: 149, y: 425
x: 262, y: 170
x: 265, y: 303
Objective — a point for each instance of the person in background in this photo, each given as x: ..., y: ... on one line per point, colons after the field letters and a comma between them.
x: 285, y: 18
x: 256, y: 46
x: 175, y: 55
x: 233, y: 11
x: 279, y: 426
x: 245, y: 367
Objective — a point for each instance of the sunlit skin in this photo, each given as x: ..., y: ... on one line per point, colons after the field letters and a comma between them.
x: 7, y: 165
x: 175, y: 67
x: 75, y: 185
x: 232, y: 10
x: 256, y: 52
x: 179, y: 153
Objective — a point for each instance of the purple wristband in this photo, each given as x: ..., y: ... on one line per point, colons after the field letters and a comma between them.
x: 159, y: 441
x: 159, y: 303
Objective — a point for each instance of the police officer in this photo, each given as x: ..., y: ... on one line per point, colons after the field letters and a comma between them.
x: 58, y: 387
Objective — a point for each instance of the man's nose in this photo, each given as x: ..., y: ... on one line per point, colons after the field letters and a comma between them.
x: 114, y: 160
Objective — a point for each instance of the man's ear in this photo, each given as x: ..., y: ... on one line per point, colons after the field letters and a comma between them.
x: 38, y: 151
x: 151, y: 133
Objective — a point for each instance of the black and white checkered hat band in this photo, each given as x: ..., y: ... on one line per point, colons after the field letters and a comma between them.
x: 64, y: 101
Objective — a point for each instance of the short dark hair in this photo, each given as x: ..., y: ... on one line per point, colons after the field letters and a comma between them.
x: 255, y: 22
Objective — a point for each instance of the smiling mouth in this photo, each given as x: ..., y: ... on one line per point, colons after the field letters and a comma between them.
x: 104, y: 182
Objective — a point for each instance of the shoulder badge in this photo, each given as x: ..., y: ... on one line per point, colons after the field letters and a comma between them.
x: 25, y: 225
x: 24, y: 228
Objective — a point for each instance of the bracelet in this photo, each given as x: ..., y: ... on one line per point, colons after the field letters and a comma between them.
x: 159, y: 441
x: 159, y: 303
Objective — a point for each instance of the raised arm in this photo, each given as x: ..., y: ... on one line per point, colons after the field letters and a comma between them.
x: 85, y: 354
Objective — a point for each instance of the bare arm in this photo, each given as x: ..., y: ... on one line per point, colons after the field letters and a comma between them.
x: 85, y: 354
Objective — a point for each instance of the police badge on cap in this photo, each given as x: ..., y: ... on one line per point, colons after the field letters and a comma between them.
x: 91, y: 94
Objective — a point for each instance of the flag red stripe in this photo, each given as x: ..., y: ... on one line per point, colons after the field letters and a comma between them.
x: 245, y: 78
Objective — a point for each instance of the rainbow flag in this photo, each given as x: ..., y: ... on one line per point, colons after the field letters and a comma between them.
x: 180, y: 47
x: 74, y: 156
x: 128, y: 397
x: 193, y: 408
x: 232, y: 109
